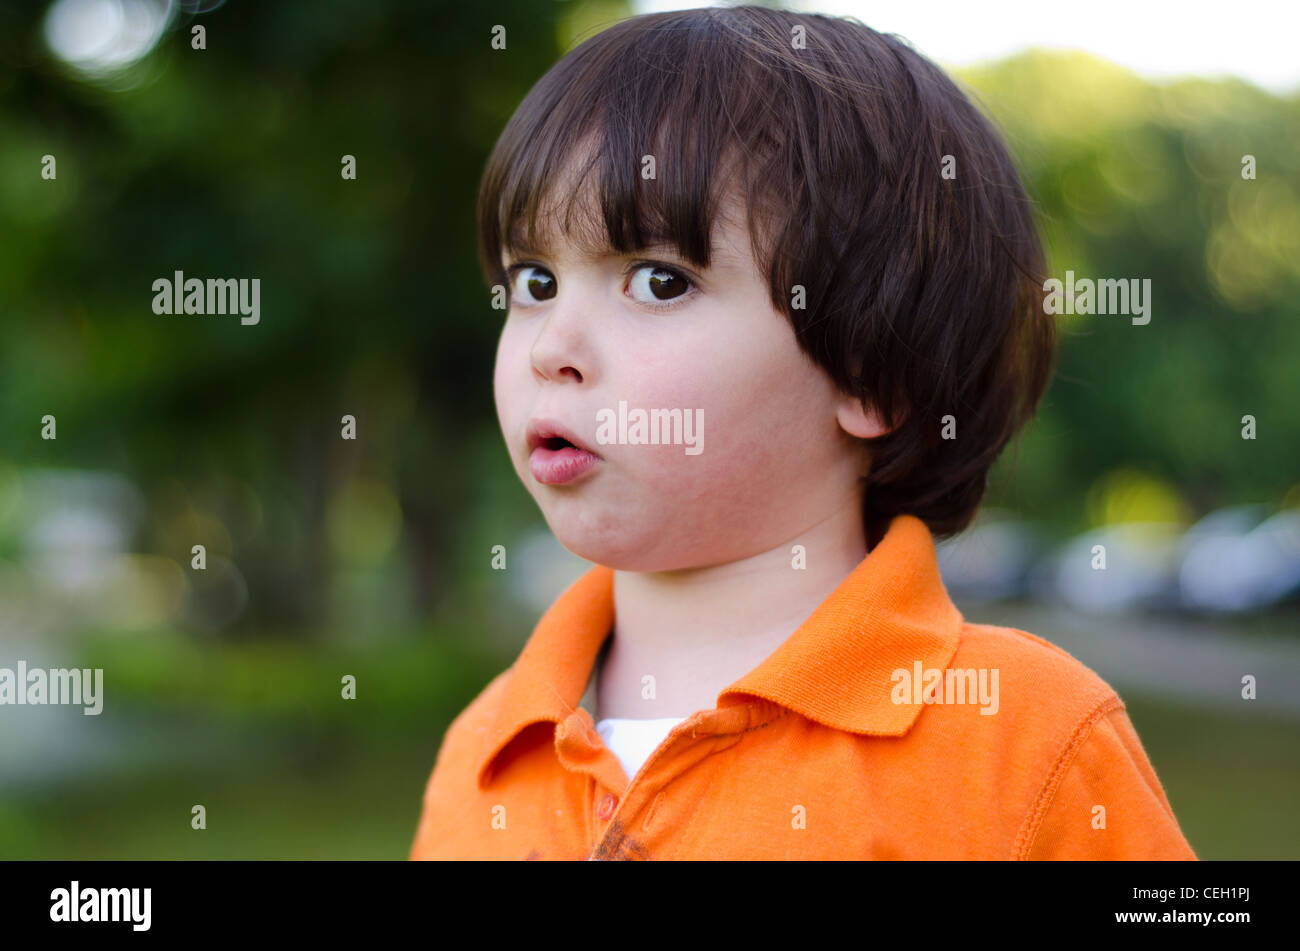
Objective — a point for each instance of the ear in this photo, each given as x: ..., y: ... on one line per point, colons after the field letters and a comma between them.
x: 857, y: 420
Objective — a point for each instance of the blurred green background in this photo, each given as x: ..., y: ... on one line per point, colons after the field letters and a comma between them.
x: 372, y: 557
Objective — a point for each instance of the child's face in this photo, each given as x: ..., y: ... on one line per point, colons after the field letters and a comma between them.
x: 584, y: 333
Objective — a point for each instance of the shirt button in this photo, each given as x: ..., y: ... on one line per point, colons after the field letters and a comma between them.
x: 606, y: 807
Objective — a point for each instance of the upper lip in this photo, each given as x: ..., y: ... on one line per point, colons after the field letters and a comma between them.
x: 540, y: 430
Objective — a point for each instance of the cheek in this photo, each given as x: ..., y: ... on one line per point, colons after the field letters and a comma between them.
x: 505, y: 380
x: 755, y: 423
x: 510, y: 394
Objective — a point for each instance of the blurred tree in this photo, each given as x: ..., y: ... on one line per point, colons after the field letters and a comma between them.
x: 226, y: 162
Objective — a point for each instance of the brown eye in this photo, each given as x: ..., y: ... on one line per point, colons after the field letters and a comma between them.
x: 654, y: 282
x: 533, y: 284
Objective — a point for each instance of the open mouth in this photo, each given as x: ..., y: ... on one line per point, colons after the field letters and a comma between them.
x: 556, y: 460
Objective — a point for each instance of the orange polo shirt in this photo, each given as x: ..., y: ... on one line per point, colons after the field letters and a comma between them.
x: 884, y: 727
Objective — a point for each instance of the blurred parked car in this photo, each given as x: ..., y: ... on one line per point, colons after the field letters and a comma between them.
x: 1117, y: 568
x: 989, y: 561
x: 1240, y: 563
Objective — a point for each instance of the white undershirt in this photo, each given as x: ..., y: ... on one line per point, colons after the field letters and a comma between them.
x: 632, y: 741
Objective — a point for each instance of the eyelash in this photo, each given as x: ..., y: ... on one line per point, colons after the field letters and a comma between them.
x: 513, y: 270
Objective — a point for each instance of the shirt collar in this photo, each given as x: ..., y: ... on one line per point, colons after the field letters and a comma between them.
x: 891, y: 612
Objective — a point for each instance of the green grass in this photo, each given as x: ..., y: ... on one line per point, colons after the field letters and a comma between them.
x: 258, y: 733
x: 349, y: 798
x: 1232, y: 779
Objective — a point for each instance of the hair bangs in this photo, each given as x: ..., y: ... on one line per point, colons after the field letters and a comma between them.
x: 610, y: 153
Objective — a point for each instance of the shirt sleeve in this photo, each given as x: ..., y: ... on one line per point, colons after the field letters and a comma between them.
x: 431, y: 825
x: 1105, y: 802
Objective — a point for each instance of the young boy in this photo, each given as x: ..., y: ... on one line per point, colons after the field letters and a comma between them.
x: 795, y: 236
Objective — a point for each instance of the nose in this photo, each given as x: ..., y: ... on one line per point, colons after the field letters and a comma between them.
x: 561, y: 349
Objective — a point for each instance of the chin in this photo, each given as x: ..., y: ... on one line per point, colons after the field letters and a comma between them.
x: 639, y: 553
x: 626, y: 537
x: 626, y: 552
x: 600, y: 552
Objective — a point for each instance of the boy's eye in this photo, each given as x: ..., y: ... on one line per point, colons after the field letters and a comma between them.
x: 533, y: 282
x: 653, y: 283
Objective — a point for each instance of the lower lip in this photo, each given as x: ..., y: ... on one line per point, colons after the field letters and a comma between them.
x: 557, y: 466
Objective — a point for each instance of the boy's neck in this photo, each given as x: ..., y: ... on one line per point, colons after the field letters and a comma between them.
x: 698, y: 631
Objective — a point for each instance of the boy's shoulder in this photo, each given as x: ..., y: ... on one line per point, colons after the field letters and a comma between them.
x: 1043, y: 703
x: 463, y: 741
x: 479, y: 714
x: 1062, y: 744
x: 1034, y: 669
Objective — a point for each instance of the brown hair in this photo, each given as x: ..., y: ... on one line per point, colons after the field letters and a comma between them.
x: 923, y: 292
